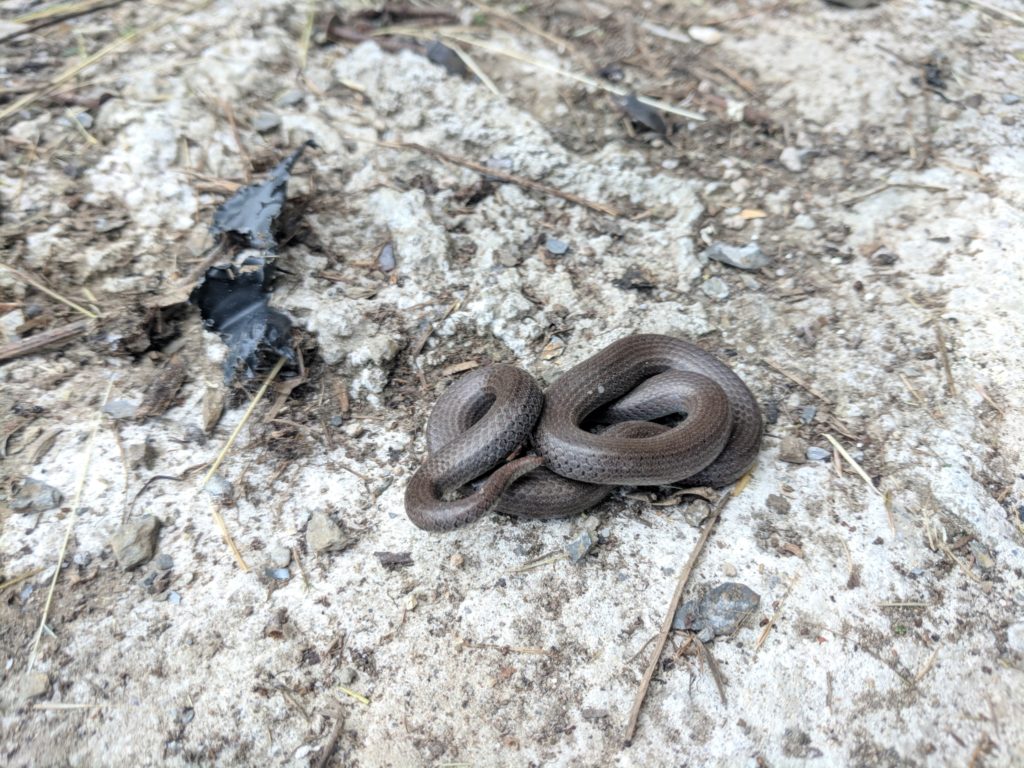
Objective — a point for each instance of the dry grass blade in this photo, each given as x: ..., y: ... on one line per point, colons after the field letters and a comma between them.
x: 38, y: 285
x: 666, y: 624
x: 72, y: 518
x: 242, y: 422
x: 74, y: 70
x: 849, y: 460
x: 222, y: 526
x: 18, y: 579
x: 471, y: 63
x: 307, y: 34
x: 771, y: 622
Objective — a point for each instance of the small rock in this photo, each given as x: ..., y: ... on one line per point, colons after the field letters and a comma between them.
x: 277, y: 574
x: 84, y: 119
x: 164, y: 562
x: 347, y: 676
x: 354, y: 429
x: 748, y: 256
x: 793, y: 450
x: 325, y: 535
x: 719, y: 612
x: 578, y: 548
x: 35, y: 684
x: 555, y: 246
x: 36, y: 496
x: 281, y: 557
x: 290, y: 98
x: 982, y: 558
x: 1015, y: 637
x: 393, y: 560
x: 386, y: 258
x: 855, y: 4
x: 140, y: 454
x: 590, y: 713
x: 807, y: 414
x: 265, y: 122
x: 456, y: 560
x: 1009, y: 99
x: 791, y: 159
x: 729, y: 570
x: 174, y: 598
x: 120, y: 409
x: 696, y: 512
x: 814, y: 453
x: 705, y: 35
x: 777, y: 504
x: 219, y: 486
x: 135, y: 542
x: 715, y: 288
x: 803, y: 221
x: 81, y: 559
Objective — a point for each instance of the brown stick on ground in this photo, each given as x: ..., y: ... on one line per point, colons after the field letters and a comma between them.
x: 42, y: 340
x: 666, y: 625
x: 505, y: 176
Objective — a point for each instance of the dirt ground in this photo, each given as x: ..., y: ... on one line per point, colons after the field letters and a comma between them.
x: 874, y: 155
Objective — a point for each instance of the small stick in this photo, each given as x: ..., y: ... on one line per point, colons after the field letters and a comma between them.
x: 914, y: 392
x: 847, y: 201
x: 18, y: 579
x: 238, y: 428
x: 60, y: 705
x: 332, y: 740
x: 666, y: 624
x: 944, y: 356
x: 512, y: 178
x: 505, y: 648
x: 985, y: 396
x: 491, y: 10
x: 905, y: 605
x: 795, y: 379
x: 218, y: 518
x: 927, y: 666
x: 471, y: 63
x: 307, y: 34
x: 42, y: 340
x: 775, y: 616
x: 357, y: 696
x: 72, y: 518
x: 38, y: 285
x: 849, y: 459
x: 716, y: 673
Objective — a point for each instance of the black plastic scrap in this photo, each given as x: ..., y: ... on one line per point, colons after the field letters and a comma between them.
x: 237, y: 306
x: 642, y: 115
x: 248, y: 215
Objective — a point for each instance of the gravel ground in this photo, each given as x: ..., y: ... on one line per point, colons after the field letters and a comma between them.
x: 872, y: 155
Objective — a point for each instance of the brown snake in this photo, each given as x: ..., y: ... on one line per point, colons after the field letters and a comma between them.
x: 485, y: 416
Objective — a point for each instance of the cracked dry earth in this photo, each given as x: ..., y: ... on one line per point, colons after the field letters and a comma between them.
x: 878, y: 165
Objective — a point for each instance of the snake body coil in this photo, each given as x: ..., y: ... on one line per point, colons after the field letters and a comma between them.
x: 487, y: 415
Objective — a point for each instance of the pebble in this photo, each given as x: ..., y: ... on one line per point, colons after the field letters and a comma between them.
x: 1009, y: 99
x: 386, y: 258
x: 135, y: 542
x: 777, y: 504
x: 219, y: 486
x: 803, y: 221
x: 1015, y: 637
x: 719, y: 612
x: 715, y: 288
x: 696, y: 512
x: 815, y: 453
x: 174, y: 598
x: 36, y: 496
x: 35, y: 684
x: 792, y: 449
x: 578, y: 548
x: 791, y: 159
x: 81, y: 559
x: 140, y: 454
x: 325, y: 535
x: 982, y: 558
x: 555, y: 246
x: 748, y: 256
x: 290, y: 98
x: 347, y: 676
x: 705, y: 35
x: 120, y: 409
x: 456, y: 560
x: 807, y: 414
x: 729, y: 570
x: 278, y: 574
x: 265, y: 122
x: 164, y: 562
x: 281, y: 557
x: 354, y: 429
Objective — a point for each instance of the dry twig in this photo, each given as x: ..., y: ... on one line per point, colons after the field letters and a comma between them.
x: 666, y: 624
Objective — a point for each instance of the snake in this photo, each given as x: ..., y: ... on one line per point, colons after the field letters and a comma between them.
x: 647, y: 410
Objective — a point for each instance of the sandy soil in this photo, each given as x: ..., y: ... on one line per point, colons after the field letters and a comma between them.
x: 875, y: 157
